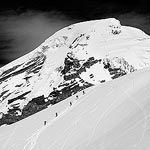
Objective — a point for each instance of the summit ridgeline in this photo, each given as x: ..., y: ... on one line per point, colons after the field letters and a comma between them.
x: 75, y: 58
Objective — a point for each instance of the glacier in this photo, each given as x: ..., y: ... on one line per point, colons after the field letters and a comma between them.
x: 99, y: 67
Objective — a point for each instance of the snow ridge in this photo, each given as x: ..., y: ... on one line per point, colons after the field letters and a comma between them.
x: 77, y: 57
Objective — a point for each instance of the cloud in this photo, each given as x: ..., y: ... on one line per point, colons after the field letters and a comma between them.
x: 21, y: 33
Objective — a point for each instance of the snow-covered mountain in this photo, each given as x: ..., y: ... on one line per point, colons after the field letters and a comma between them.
x: 110, y: 116
x: 75, y: 58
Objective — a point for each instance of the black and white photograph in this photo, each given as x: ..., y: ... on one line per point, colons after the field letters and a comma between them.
x: 75, y: 75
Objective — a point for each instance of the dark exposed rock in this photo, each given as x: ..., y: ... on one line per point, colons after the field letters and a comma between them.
x: 39, y: 100
x: 71, y: 71
x: 120, y: 68
x: 20, y: 97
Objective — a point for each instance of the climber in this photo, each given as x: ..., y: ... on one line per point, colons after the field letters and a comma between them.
x: 77, y: 96
x: 83, y: 92
x: 70, y: 103
x: 56, y: 114
x: 44, y: 122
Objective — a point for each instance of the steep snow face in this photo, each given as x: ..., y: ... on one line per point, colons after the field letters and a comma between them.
x: 111, y: 116
x: 74, y: 58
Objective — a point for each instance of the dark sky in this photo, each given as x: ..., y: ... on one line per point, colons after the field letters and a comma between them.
x: 78, y: 8
x: 24, y: 24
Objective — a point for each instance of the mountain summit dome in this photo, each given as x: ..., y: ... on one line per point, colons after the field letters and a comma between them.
x: 76, y: 57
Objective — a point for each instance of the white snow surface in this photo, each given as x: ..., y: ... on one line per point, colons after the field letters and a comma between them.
x: 98, y: 39
x: 110, y: 116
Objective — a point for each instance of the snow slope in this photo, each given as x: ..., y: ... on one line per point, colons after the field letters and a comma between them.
x: 109, y: 116
x: 73, y: 59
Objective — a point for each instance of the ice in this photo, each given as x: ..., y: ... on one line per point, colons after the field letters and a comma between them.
x: 114, y: 115
x: 111, y: 116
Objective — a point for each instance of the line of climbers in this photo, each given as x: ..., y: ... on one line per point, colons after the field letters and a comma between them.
x: 56, y: 114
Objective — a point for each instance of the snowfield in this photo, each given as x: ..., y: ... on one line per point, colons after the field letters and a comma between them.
x: 84, y: 88
x: 110, y: 116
